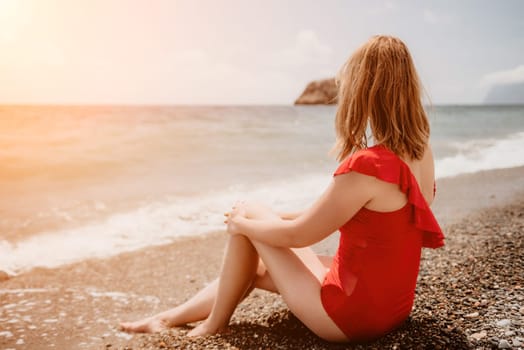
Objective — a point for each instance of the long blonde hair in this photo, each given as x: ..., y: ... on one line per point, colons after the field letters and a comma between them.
x: 379, y: 84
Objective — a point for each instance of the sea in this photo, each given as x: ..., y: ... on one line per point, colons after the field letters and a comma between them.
x: 80, y: 182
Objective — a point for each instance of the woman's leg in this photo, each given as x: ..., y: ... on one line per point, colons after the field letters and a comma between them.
x: 295, y: 269
x: 235, y: 279
x: 195, y: 309
x: 199, y: 306
x: 299, y: 280
x: 241, y: 268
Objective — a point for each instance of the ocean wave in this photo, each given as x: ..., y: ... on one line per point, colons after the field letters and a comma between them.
x: 155, y: 224
x: 485, y: 154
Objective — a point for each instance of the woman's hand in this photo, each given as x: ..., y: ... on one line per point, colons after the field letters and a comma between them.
x: 238, y: 211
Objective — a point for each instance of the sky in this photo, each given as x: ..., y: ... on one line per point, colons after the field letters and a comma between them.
x: 244, y: 51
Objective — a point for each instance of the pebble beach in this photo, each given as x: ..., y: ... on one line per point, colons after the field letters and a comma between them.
x: 470, y: 294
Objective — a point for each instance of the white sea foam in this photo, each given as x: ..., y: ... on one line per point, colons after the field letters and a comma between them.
x: 477, y: 155
x: 155, y: 224
x: 26, y: 290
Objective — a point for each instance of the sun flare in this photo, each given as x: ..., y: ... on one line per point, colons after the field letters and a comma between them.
x: 13, y: 17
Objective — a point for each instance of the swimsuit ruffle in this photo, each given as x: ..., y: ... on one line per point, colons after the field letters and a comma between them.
x: 385, y: 165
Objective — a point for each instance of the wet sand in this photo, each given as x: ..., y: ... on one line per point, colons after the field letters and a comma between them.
x: 470, y: 293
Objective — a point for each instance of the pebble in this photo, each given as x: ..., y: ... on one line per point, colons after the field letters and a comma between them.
x: 472, y: 315
x: 517, y: 343
x: 503, y: 344
x: 479, y: 335
x: 503, y: 323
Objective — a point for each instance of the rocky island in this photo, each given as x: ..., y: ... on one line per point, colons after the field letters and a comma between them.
x: 319, y: 92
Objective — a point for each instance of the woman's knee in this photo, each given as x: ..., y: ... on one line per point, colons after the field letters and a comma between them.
x: 259, y: 211
x: 241, y: 244
x: 240, y: 241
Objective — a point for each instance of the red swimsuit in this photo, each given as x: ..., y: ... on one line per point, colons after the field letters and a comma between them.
x: 370, y: 287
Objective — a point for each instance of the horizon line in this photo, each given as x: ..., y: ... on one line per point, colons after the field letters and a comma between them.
x: 218, y: 105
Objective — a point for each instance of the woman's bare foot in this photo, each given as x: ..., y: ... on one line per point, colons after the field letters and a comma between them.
x: 205, y: 329
x: 146, y: 325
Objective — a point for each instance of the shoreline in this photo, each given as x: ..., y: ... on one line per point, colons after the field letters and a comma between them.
x: 497, y: 194
x: 79, y: 305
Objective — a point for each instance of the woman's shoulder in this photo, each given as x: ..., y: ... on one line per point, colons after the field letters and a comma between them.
x: 375, y: 161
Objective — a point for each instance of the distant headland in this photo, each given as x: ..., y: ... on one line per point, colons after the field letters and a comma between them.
x: 506, y: 94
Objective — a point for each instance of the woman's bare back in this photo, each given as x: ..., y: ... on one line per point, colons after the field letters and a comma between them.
x: 390, y: 198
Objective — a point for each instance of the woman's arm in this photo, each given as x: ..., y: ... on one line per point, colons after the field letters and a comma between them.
x: 427, y: 176
x: 342, y: 199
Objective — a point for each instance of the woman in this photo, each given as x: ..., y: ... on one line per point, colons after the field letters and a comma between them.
x: 379, y: 198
